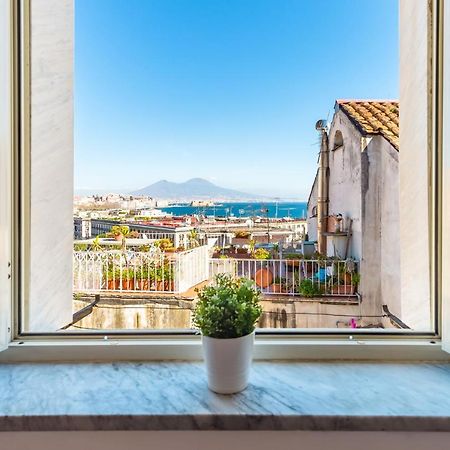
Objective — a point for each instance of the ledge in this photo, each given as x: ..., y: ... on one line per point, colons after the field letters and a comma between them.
x: 174, y: 396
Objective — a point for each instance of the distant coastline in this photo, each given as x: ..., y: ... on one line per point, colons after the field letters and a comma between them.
x: 294, y: 210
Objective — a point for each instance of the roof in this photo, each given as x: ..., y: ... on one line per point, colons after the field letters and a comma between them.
x: 373, y: 117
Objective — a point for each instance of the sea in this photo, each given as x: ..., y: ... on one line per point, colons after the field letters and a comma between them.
x: 293, y: 210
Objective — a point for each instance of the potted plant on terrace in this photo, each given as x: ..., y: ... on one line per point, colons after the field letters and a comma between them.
x: 226, y: 314
x: 279, y: 285
x: 309, y: 288
x: 127, y: 277
x: 119, y: 232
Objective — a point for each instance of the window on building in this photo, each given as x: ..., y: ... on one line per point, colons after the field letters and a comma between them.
x: 338, y: 140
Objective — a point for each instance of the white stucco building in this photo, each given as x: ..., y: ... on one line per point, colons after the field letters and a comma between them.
x: 362, y: 184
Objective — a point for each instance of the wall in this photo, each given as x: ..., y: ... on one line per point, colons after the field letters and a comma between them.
x: 345, y: 184
x: 414, y: 164
x: 128, y: 312
x: 223, y: 440
x: 49, y: 303
x: 311, y: 217
x: 132, y: 312
x: 390, y: 224
x: 308, y: 313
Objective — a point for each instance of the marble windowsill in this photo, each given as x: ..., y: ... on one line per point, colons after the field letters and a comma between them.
x: 174, y: 396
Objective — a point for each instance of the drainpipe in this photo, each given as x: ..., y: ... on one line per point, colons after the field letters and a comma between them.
x: 322, y: 200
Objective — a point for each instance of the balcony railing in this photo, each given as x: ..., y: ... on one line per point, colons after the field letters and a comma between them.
x: 306, y: 278
x: 178, y: 272
x: 113, y: 270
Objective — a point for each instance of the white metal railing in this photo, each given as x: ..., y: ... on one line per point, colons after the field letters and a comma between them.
x: 114, y: 270
x: 307, y: 278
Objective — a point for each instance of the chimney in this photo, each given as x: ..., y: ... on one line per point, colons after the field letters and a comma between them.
x: 323, y: 180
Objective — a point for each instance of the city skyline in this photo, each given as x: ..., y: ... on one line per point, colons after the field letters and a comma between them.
x: 226, y: 92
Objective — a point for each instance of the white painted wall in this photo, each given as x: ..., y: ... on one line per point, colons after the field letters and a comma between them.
x: 345, y: 184
x: 49, y: 305
x: 311, y: 218
x: 381, y: 245
x: 414, y: 164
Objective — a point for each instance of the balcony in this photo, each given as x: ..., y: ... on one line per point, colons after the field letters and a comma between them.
x: 162, y: 272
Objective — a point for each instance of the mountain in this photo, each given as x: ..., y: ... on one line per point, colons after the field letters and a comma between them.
x: 194, y: 189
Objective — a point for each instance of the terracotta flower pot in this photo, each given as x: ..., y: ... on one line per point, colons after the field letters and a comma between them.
x: 343, y: 289
x: 347, y: 277
x: 113, y: 285
x: 263, y: 278
x: 118, y: 237
x: 127, y: 285
x: 169, y: 285
x: 277, y: 288
x: 293, y: 263
x: 143, y: 285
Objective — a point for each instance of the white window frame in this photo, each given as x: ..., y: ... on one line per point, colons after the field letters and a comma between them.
x: 309, y: 344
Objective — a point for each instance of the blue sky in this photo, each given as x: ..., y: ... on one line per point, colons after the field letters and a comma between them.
x: 227, y: 90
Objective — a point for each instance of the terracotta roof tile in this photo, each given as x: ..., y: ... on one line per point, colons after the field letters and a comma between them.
x: 374, y: 117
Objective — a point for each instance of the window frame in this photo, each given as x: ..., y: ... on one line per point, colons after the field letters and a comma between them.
x: 288, y: 343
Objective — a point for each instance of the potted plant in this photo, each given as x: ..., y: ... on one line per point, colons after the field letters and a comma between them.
x: 261, y: 253
x: 119, y: 232
x: 127, y: 279
x: 144, y: 278
x: 226, y: 314
x: 279, y: 285
x: 112, y: 278
x: 164, y: 276
x: 292, y: 260
x: 308, y: 288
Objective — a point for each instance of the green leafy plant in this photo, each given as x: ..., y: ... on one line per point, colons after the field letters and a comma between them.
x: 228, y: 309
x: 164, y: 244
x: 120, y: 230
x: 356, y: 278
x: 80, y: 247
x: 96, y: 246
x: 308, y: 288
x: 194, y: 238
x: 292, y: 256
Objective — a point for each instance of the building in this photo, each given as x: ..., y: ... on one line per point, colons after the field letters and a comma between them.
x: 358, y: 179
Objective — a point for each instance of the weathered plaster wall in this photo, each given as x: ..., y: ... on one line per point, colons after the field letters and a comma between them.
x: 364, y: 187
x: 345, y: 182
x: 311, y: 217
x: 166, y: 314
x: 380, y: 266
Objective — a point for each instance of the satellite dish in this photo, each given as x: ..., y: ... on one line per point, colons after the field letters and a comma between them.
x: 321, y: 125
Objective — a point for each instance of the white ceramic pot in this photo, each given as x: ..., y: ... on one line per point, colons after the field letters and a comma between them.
x: 228, y: 362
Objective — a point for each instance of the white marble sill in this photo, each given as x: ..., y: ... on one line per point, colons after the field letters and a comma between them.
x: 174, y: 396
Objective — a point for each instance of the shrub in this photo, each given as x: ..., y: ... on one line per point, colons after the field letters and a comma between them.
x: 261, y: 253
x: 80, y: 247
x: 228, y: 309
x: 308, y: 288
x: 164, y: 244
x: 118, y: 230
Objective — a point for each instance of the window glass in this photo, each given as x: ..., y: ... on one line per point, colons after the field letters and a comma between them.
x: 174, y: 141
